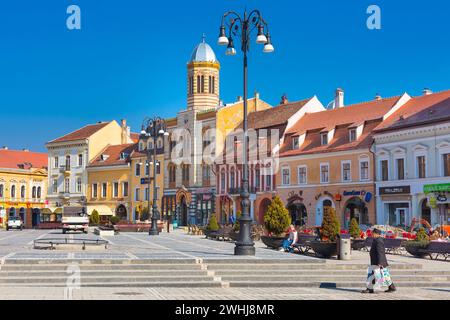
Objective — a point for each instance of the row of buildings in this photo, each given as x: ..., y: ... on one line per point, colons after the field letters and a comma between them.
x: 384, y: 161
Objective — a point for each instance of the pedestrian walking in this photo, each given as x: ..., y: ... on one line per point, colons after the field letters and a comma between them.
x: 378, y: 271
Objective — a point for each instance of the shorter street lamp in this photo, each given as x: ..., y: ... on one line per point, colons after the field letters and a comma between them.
x: 153, y: 128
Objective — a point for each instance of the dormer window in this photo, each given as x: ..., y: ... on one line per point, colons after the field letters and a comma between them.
x: 123, y: 155
x: 141, y: 146
x: 104, y: 157
x: 295, y: 144
x: 324, y: 138
x: 352, y: 135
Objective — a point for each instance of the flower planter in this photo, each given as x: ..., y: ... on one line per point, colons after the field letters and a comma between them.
x: 273, y: 242
x: 234, y: 235
x: 358, y: 244
x: 414, y: 247
x: 324, y: 249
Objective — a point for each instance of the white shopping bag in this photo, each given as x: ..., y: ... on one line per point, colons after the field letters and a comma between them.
x: 374, y: 278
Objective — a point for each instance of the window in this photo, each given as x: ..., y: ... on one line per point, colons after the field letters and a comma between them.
x: 147, y: 169
x: 80, y: 160
x: 55, y: 186
x: 421, y: 167
x: 94, y: 190
x: 222, y: 181
x: 137, y: 194
x: 302, y: 175
x: 67, y: 162
x: 191, y: 85
x: 137, y: 170
x: 79, y: 184
x: 212, y: 84
x: 22, y: 192
x: 232, y: 178
x: 158, y: 167
x: 56, y: 162
x: 203, y: 84
x: 198, y: 84
x: 172, y: 173
x: 352, y: 135
x: 67, y: 185
x: 150, y: 145
x: 364, y: 169
x: 446, y: 160
x: 13, y: 192
x: 324, y: 138
x: 206, y: 173
x: 400, y: 164
x: 268, y: 182
x: 257, y: 178
x: 185, y: 173
x: 125, y: 189
x: 324, y: 173
x: 39, y: 192
x: 104, y: 189
x: 346, y: 171
x: 146, y: 194
x: 286, y: 176
x: 384, y: 170
x: 295, y: 143
x: 33, y: 192
x: 2, y: 190
x: 159, y: 143
x: 115, y: 189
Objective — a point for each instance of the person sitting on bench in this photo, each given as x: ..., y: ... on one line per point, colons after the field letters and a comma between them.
x: 289, y: 242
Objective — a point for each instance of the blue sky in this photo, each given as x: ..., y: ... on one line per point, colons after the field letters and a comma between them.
x: 129, y: 58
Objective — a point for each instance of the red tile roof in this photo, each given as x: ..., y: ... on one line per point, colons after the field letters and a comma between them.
x: 341, y: 119
x: 356, y: 113
x: 134, y: 137
x: 419, y: 111
x: 82, y: 133
x: 14, y: 159
x: 113, y: 153
x: 274, y: 116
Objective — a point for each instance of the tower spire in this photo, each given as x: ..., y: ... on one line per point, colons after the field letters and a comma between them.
x: 203, y: 38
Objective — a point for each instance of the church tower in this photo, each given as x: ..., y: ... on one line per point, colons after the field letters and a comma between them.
x: 203, y: 78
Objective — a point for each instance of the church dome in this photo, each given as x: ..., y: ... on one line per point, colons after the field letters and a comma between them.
x: 203, y: 53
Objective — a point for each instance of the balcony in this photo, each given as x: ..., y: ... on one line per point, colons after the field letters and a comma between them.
x: 64, y: 195
x: 65, y: 170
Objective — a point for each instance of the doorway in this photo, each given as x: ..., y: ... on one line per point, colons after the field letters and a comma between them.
x: 426, y: 211
x: 35, y: 217
x: 183, y: 212
x: 299, y: 216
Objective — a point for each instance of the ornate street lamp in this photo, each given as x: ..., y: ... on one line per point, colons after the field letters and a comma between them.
x: 235, y: 26
x: 152, y: 128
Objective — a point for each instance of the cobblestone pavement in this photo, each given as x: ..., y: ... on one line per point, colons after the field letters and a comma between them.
x: 221, y: 294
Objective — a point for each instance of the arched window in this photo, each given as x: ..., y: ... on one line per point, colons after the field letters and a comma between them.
x: 1, y: 191
x: 67, y: 162
x: 203, y: 84
x: 33, y: 192
x: 198, y: 84
x: 185, y: 173
x: 13, y: 192
x: 222, y: 181
x: 232, y: 178
x: 22, y: 192
x: 39, y: 192
x: 172, y: 173
x: 150, y: 145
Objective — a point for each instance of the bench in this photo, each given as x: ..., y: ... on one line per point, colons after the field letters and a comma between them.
x: 302, y: 244
x: 438, y: 248
x: 391, y: 245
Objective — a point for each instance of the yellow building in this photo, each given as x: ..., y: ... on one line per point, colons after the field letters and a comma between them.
x: 108, y: 189
x: 141, y: 174
x: 23, y: 186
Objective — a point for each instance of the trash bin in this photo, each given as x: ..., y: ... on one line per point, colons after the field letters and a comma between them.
x: 344, y: 248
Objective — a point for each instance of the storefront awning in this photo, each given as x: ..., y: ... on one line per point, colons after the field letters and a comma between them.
x: 430, y: 188
x: 101, y: 209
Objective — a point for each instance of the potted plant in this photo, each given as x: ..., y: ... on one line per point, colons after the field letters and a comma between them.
x: 94, y: 218
x: 329, y: 233
x: 355, y: 233
x: 276, y: 221
x: 421, y: 242
x: 236, y: 227
x: 212, y: 226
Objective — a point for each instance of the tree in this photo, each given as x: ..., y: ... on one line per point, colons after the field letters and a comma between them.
x: 330, y: 225
x: 354, y: 229
x: 212, y: 223
x: 277, y: 217
x: 94, y: 218
x: 237, y: 225
x: 422, y: 236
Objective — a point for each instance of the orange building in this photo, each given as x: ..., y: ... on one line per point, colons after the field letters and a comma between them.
x: 326, y: 160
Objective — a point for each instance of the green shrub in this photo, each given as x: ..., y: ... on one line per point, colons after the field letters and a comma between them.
x: 277, y: 217
x: 114, y: 219
x: 354, y: 229
x: 330, y: 225
x: 212, y: 223
x: 237, y: 225
x: 94, y: 218
x: 422, y: 236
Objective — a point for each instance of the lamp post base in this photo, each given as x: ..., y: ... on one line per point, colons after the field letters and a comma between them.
x: 153, y: 232
x: 244, y: 250
x: 154, y: 228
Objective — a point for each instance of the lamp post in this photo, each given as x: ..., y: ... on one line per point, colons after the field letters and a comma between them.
x: 233, y: 25
x: 152, y: 128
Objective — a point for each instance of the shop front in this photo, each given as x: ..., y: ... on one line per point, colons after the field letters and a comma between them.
x: 395, y: 206
x: 438, y: 197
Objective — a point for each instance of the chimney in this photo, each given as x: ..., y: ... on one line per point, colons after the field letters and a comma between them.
x: 339, y: 98
x: 378, y: 97
x: 427, y: 92
x: 4, y: 148
x: 256, y: 95
x: 26, y: 150
x: 284, y: 99
x: 124, y: 133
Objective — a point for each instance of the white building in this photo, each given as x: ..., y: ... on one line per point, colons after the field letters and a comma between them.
x: 412, y: 148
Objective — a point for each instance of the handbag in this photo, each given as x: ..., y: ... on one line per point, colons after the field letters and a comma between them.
x: 386, y: 277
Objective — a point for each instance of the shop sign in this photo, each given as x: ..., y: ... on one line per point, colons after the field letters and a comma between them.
x: 337, y: 197
x: 432, y: 202
x: 146, y: 180
x: 441, y: 198
x: 430, y: 188
x: 395, y: 190
x: 354, y: 193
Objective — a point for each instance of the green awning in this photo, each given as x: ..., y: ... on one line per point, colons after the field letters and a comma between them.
x: 429, y: 188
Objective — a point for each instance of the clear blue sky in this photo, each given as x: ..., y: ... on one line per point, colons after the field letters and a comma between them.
x: 129, y: 58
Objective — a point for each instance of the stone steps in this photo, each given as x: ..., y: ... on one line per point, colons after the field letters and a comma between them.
x: 297, y: 267
x: 332, y: 284
x: 106, y: 267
